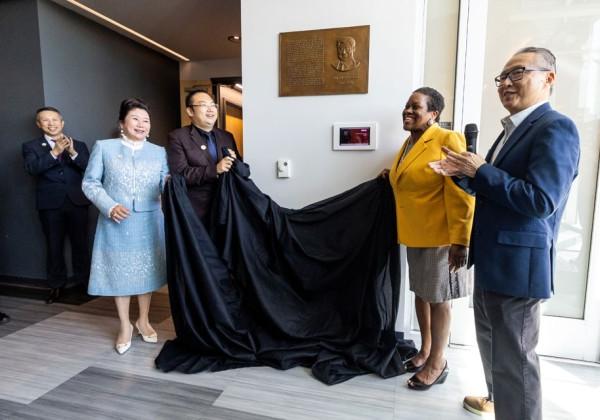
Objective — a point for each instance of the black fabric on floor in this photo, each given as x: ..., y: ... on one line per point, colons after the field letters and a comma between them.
x: 315, y: 287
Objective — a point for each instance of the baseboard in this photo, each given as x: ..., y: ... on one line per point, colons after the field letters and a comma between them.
x: 37, y: 289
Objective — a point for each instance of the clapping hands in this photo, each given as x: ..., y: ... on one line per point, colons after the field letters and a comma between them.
x: 63, y: 143
x: 457, y: 164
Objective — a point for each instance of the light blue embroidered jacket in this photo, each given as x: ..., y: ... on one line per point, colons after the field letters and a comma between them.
x: 116, y: 174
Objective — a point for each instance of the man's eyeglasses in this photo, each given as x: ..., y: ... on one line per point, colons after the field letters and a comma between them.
x: 206, y: 106
x: 516, y: 74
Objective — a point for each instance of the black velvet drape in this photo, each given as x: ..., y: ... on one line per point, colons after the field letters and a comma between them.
x: 315, y: 287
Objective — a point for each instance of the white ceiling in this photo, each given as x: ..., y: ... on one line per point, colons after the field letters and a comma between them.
x: 197, y: 29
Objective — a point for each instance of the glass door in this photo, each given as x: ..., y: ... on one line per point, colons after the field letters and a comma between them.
x: 490, y: 31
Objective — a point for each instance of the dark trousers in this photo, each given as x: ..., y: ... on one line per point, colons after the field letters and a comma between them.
x: 72, y: 221
x: 507, y: 334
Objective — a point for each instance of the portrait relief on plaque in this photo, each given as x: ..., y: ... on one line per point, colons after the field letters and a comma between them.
x: 346, y: 54
x: 324, y: 62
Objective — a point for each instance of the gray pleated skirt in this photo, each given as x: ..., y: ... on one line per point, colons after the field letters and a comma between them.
x: 430, y: 277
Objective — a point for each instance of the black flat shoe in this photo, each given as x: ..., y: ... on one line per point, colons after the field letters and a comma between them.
x: 416, y: 384
x: 410, y: 366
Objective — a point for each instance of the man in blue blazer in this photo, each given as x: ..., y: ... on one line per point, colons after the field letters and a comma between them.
x: 58, y: 162
x: 521, y: 189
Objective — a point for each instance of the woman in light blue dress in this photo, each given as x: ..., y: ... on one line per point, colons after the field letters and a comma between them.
x: 124, y: 180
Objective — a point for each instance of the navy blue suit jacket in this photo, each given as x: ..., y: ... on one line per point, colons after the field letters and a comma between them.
x: 56, y: 179
x: 520, y: 201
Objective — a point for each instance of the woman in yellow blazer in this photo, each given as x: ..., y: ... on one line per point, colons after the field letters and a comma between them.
x: 434, y: 219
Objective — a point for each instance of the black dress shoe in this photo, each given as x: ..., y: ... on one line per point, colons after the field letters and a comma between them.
x: 53, y: 295
x: 4, y: 318
x: 416, y: 384
x: 410, y: 366
x: 50, y: 298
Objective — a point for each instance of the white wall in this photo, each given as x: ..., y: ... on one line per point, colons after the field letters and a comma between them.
x: 204, y: 70
x: 300, y: 128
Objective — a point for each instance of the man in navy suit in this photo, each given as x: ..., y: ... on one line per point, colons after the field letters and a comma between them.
x: 58, y: 163
x: 521, y: 188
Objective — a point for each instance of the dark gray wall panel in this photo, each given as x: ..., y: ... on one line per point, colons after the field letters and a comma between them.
x: 22, y: 92
x: 56, y: 57
x: 89, y: 69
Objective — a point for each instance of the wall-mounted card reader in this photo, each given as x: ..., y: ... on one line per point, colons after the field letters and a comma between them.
x: 284, y: 168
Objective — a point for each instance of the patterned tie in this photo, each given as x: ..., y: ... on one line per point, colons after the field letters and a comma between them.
x: 212, y: 146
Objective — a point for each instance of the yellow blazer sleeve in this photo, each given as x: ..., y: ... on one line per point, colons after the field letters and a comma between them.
x: 459, y: 205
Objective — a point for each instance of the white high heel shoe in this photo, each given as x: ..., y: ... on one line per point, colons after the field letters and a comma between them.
x: 152, y: 338
x: 122, y: 348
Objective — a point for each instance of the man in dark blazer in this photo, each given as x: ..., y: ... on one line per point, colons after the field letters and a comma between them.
x: 58, y: 162
x: 521, y: 189
x: 195, y: 151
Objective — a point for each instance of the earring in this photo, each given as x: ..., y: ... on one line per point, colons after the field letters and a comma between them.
x: 430, y: 122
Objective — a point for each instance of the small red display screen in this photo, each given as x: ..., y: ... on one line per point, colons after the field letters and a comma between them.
x: 355, y: 135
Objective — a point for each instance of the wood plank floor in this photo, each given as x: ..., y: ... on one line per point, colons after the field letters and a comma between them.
x: 57, y: 362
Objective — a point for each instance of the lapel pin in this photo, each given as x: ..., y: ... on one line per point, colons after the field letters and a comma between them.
x: 203, y: 147
x: 44, y: 144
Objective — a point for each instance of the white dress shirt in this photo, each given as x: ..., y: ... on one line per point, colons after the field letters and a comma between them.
x: 510, y: 123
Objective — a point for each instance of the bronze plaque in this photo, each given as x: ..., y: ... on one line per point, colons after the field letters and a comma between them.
x: 324, y: 61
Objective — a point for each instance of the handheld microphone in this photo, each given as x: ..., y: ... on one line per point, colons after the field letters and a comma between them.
x: 225, y: 151
x: 471, y: 133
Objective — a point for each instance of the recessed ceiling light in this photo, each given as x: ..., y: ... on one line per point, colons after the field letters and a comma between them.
x: 234, y: 38
x: 130, y: 31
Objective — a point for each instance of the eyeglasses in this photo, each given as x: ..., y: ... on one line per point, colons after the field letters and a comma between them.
x: 205, y: 106
x: 516, y: 74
